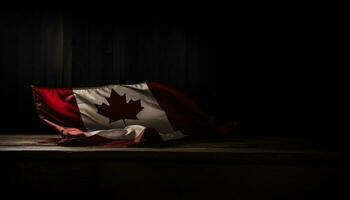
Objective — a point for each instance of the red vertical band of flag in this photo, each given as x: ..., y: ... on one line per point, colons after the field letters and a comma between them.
x: 58, y: 106
x: 183, y: 113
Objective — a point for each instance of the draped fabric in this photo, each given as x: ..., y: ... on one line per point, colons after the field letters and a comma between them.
x: 122, y: 115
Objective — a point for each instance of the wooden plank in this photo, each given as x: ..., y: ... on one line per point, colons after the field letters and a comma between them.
x: 95, y: 50
x: 100, y: 44
x: 54, y: 37
x: 156, y: 180
x: 80, y: 50
x: 258, y: 151
x: 263, y: 142
x: 9, y: 68
x: 176, y: 56
x: 131, y: 55
x: 193, y: 66
x: 66, y: 25
x: 238, y: 156
x: 119, y: 58
x: 106, y: 37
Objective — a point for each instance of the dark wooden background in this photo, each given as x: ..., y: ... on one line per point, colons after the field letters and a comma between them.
x: 271, y: 69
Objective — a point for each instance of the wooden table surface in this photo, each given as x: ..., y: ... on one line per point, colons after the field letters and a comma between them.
x: 243, y: 150
x: 236, y: 168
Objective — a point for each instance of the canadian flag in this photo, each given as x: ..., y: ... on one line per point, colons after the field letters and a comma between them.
x: 121, y: 115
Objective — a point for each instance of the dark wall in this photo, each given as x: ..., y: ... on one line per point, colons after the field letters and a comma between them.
x: 259, y: 65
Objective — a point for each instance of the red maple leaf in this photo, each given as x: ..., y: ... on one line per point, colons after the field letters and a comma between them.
x: 118, y: 108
